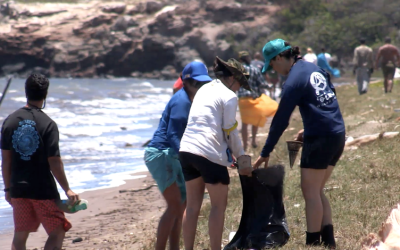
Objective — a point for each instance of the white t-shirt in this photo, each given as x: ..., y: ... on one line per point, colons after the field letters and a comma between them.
x: 213, y: 109
x: 328, y: 57
x: 310, y: 57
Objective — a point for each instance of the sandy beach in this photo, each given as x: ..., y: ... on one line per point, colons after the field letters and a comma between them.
x: 113, y: 220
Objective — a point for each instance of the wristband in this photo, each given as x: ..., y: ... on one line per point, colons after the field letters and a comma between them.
x: 7, y: 190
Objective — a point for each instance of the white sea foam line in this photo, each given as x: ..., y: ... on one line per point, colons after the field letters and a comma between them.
x: 144, y: 84
x: 122, y: 177
x: 97, y: 130
x: 19, y: 99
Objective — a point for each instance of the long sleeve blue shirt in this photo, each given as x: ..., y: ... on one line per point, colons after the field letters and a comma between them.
x: 309, y: 87
x: 172, y: 123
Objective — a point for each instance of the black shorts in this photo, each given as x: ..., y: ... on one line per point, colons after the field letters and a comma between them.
x: 194, y: 166
x: 388, y: 71
x: 319, y: 152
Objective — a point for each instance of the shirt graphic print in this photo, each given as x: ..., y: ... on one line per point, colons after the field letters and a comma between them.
x: 25, y: 139
x: 324, y: 93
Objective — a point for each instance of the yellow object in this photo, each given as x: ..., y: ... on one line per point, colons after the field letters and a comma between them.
x: 229, y: 130
x: 256, y: 111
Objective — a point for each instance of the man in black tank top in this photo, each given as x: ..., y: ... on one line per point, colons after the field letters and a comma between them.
x: 30, y: 159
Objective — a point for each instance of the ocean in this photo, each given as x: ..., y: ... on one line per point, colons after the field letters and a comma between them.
x: 103, y: 124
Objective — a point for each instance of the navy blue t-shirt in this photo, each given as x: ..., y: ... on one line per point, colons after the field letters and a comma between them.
x: 172, y: 123
x: 309, y: 87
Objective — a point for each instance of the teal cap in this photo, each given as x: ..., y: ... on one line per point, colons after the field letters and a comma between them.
x: 272, y: 49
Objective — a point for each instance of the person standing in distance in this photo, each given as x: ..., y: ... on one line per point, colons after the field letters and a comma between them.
x: 390, y: 59
x: 309, y: 87
x: 363, y: 66
x: 310, y: 56
x: 30, y: 159
x: 253, y: 104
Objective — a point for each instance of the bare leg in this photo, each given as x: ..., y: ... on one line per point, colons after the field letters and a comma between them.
x: 254, y: 130
x: 390, y: 85
x: 176, y: 229
x: 172, y: 196
x: 385, y: 84
x: 327, y: 216
x: 195, y: 195
x: 244, y: 136
x: 55, y: 240
x: 311, y: 182
x: 19, y: 240
x: 219, y: 199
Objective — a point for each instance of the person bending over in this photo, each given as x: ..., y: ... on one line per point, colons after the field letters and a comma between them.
x: 207, y: 146
x: 309, y: 87
x: 161, y: 154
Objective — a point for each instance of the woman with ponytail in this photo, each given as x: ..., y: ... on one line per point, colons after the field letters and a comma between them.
x: 310, y: 88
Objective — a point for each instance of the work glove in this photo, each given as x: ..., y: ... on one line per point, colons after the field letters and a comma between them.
x: 244, y: 165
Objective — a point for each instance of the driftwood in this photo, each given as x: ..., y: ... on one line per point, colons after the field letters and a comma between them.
x: 352, y: 143
x: 136, y: 190
x: 388, y: 236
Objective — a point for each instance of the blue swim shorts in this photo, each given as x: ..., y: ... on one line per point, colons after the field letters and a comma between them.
x: 165, y: 167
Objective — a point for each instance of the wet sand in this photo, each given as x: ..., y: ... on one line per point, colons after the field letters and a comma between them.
x: 113, y: 220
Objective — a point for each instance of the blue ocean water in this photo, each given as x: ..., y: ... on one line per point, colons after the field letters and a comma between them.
x: 102, y: 125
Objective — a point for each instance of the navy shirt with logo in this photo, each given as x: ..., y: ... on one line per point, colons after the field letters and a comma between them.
x: 309, y: 87
x: 32, y: 138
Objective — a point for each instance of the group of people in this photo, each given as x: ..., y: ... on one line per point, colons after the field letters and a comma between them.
x: 197, y: 139
x: 388, y: 58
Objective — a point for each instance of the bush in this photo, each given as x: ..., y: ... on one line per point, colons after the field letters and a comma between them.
x: 337, y: 25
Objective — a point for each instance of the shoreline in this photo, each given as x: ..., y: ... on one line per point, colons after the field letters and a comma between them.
x: 113, y: 219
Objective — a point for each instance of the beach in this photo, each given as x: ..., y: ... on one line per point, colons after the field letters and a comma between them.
x: 113, y: 219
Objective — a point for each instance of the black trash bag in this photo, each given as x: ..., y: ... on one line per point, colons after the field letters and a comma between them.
x: 263, y: 224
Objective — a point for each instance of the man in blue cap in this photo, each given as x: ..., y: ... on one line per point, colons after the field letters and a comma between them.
x: 161, y: 154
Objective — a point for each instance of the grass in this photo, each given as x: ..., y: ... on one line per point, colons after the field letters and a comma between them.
x: 363, y: 188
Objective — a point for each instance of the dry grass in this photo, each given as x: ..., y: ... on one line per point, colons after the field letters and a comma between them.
x: 364, y: 186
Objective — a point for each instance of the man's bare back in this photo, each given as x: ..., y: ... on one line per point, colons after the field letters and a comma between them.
x: 389, y: 53
x: 390, y: 58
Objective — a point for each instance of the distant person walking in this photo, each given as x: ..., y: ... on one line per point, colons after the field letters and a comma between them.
x: 254, y: 105
x: 30, y: 161
x: 390, y: 56
x: 311, y: 56
x: 257, y: 61
x: 363, y: 66
x: 323, y: 60
x: 161, y: 155
x: 271, y: 76
x: 327, y: 56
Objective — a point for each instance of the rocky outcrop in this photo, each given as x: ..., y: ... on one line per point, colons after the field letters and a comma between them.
x: 154, y: 39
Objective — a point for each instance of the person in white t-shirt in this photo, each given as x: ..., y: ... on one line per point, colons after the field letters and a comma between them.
x: 327, y: 55
x: 310, y: 56
x: 208, y: 146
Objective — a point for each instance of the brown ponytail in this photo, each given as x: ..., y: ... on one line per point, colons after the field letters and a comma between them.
x: 293, y: 52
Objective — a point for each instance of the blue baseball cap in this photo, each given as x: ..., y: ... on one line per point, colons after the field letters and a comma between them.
x: 196, y: 70
x: 272, y: 49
